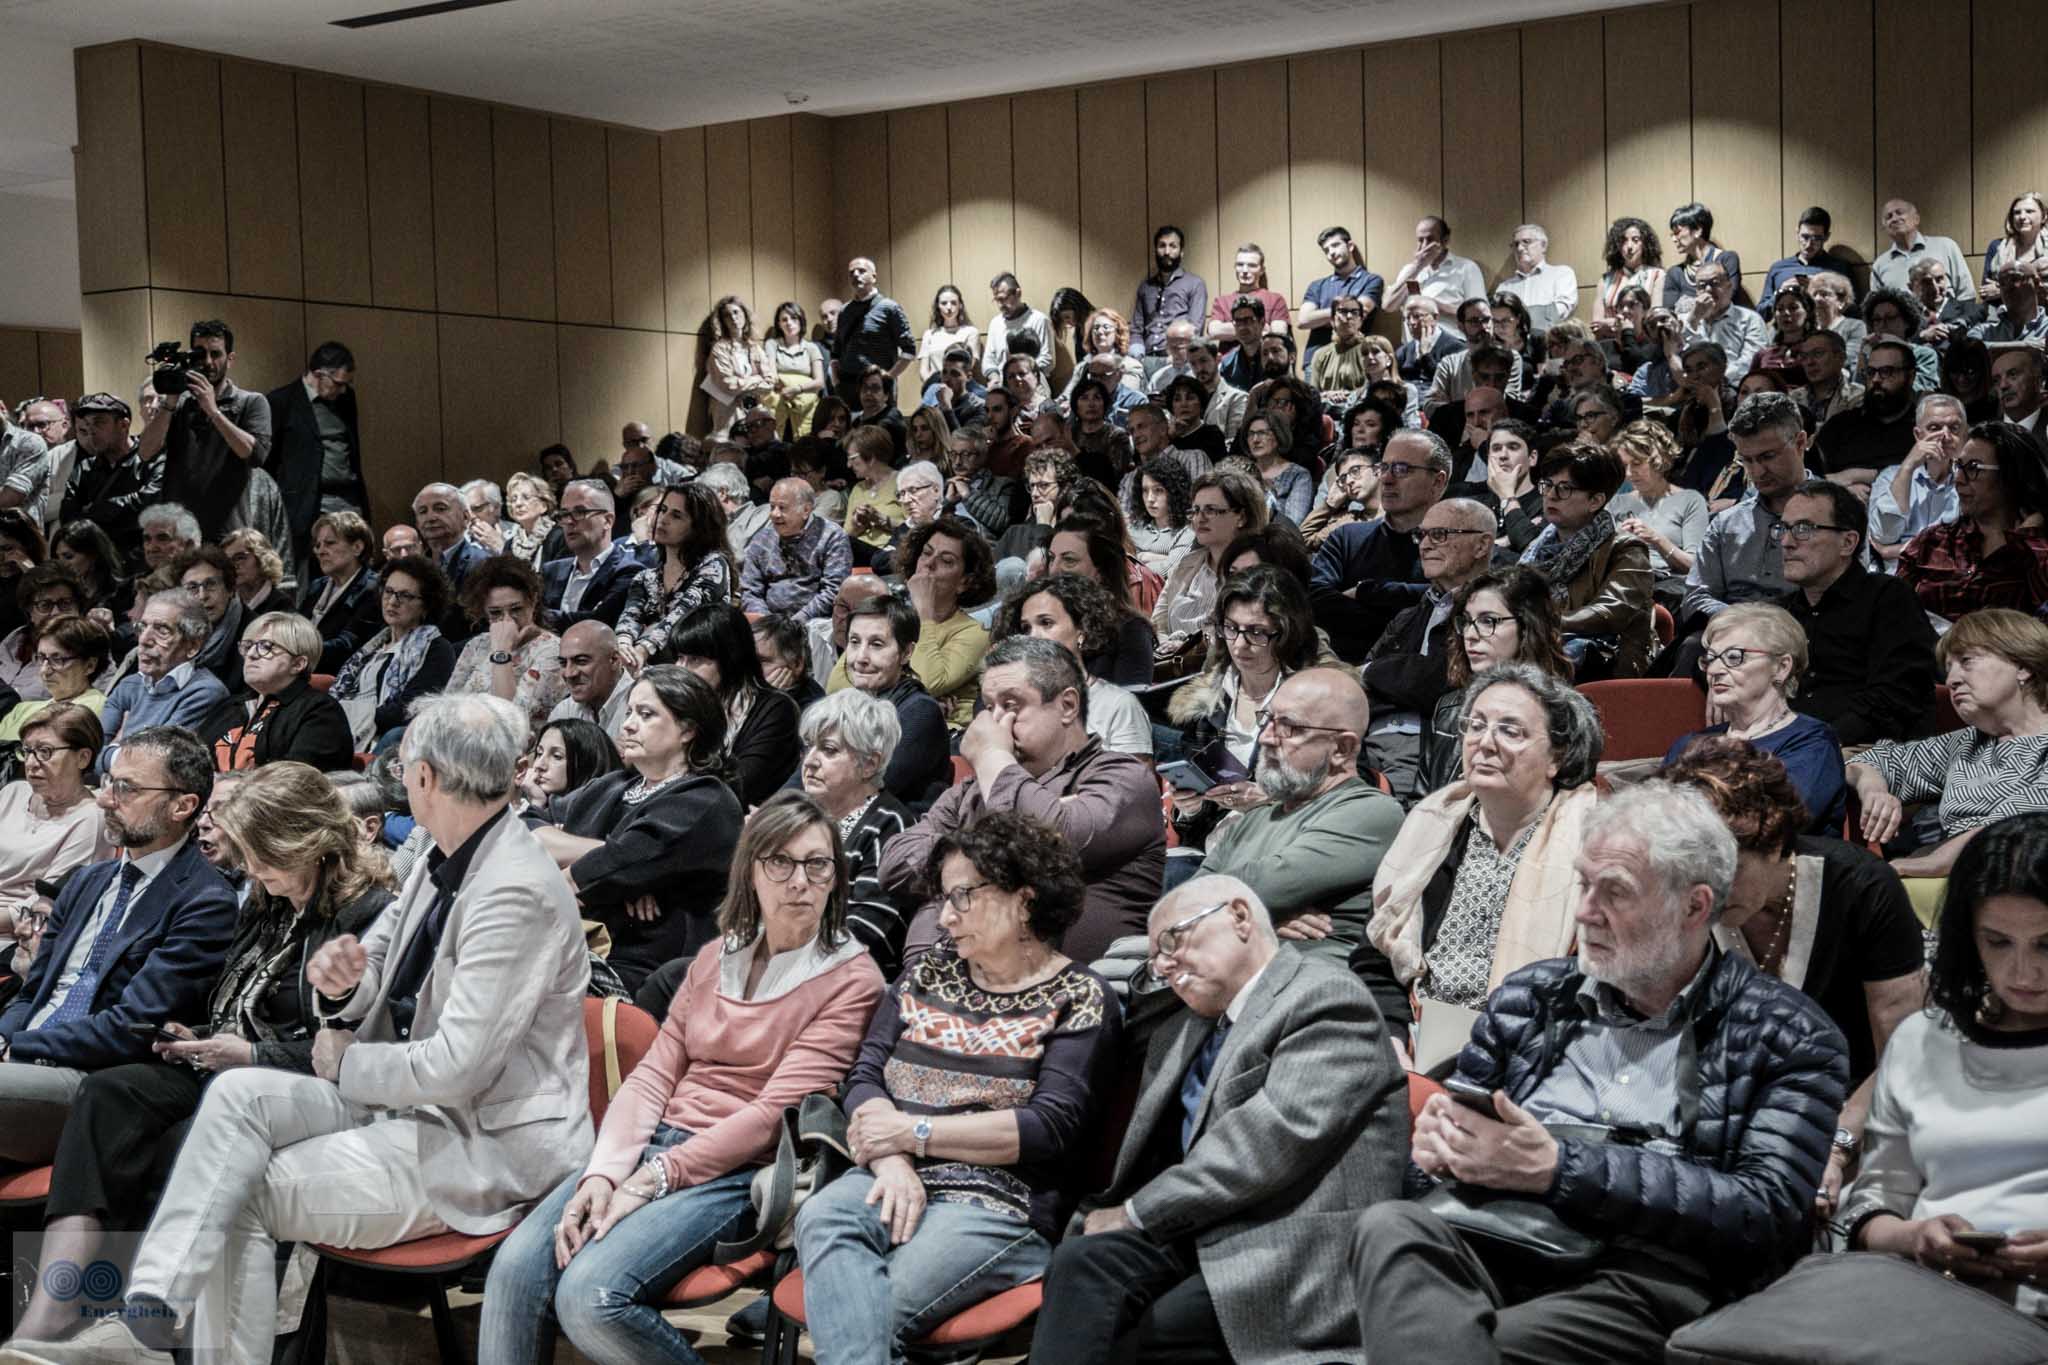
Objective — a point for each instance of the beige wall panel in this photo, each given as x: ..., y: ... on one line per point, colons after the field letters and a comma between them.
x: 21, y: 365
x: 583, y: 249
x: 773, y: 209
x: 270, y: 334
x: 1404, y: 155
x: 920, y: 232
x: 979, y: 145
x: 465, y: 212
x: 396, y: 130
x: 62, y: 363
x: 635, y: 174
x: 1564, y: 174
x: 610, y: 376
x: 398, y: 387
x: 113, y: 236
x: 114, y: 336
x: 1326, y: 152
x: 523, y: 194
x: 1116, y: 235
x: 1735, y: 144
x: 860, y: 196
x: 727, y: 158
x: 1829, y: 159
x: 685, y: 241
x: 187, y: 198
x: 815, y: 271
x: 1180, y: 171
x: 1483, y: 145
x: 259, y: 103
x: 688, y: 410
x: 1045, y: 172
x: 479, y: 427
x: 334, y: 191
x: 1252, y: 174
x: 1649, y: 96
x: 1926, y: 160
x: 2009, y: 121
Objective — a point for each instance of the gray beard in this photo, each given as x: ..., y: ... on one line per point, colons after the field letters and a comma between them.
x: 1285, y: 783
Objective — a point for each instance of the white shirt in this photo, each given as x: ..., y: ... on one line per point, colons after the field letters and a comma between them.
x: 1451, y: 280
x: 150, y: 865
x: 784, y: 972
x: 1549, y: 292
x: 1118, y: 718
x: 579, y: 581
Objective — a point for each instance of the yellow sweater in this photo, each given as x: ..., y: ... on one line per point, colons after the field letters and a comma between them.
x: 947, y: 661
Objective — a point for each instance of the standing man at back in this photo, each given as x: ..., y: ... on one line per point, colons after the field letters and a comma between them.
x: 1166, y: 296
x: 873, y: 330
x: 316, y: 450
x: 211, y: 435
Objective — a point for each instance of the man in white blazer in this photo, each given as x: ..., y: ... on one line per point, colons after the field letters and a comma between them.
x: 453, y: 1095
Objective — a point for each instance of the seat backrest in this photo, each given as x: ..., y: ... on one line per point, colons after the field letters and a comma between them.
x: 320, y: 682
x: 633, y: 1031
x: 1643, y: 716
x: 963, y: 771
x: 1420, y: 1088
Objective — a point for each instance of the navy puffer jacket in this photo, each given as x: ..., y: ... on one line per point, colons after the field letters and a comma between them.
x: 1773, y: 1072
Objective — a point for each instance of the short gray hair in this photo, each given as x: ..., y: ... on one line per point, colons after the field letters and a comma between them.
x: 1684, y: 838
x: 1576, y: 737
x: 1767, y: 410
x: 493, y: 494
x: 1477, y: 514
x: 1938, y: 400
x: 920, y: 472
x: 726, y: 479
x: 193, y: 623
x: 472, y: 740
x: 1534, y: 230
x: 800, y: 487
x: 598, y: 489
x: 1221, y: 887
x: 1440, y: 460
x: 864, y: 723
x: 183, y: 524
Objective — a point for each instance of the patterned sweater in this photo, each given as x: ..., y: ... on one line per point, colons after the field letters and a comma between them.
x: 940, y: 1044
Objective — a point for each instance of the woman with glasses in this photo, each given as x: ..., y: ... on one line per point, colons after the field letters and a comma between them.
x: 71, y: 653
x: 405, y: 660
x: 1671, y: 520
x: 1504, y: 616
x: 342, y: 603
x: 1482, y: 878
x: 695, y: 570
x: 530, y: 507
x: 281, y: 715
x: 849, y: 739
x: 645, y: 848
x: 43, y: 595
x: 1290, y: 489
x: 1224, y: 505
x: 49, y: 821
x: 255, y: 573
x: 1994, y: 554
x: 770, y: 1010
x: 1599, y: 575
x: 964, y: 1136
x: 513, y: 658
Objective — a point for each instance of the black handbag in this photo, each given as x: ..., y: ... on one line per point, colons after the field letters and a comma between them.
x: 810, y: 1153
x: 1521, y: 1236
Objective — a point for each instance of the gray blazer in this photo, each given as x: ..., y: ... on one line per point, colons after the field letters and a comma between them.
x: 1304, y: 1123
x: 496, y: 1076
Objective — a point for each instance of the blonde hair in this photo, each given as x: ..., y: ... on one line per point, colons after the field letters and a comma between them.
x: 288, y: 816
x: 1776, y: 630
x: 2019, y: 639
x: 298, y: 635
x: 1652, y: 441
x: 267, y: 559
x: 1373, y: 341
x: 535, y: 485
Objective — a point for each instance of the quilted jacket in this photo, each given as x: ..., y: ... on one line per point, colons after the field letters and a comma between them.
x: 1773, y: 1072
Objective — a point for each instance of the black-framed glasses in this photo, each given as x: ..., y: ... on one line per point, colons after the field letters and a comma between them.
x: 400, y: 595
x: 1968, y: 470
x: 1257, y: 635
x: 1288, y: 728
x: 1557, y: 488
x: 1401, y: 469
x: 260, y: 649
x: 55, y: 660
x: 1200, y: 510
x: 1733, y: 657
x: 1438, y: 535
x: 780, y: 867
x: 121, y: 789
x: 42, y: 606
x: 961, y: 898
x: 1802, y: 531
x: 1175, y: 935
x: 1483, y: 624
x: 43, y: 753
x: 576, y: 514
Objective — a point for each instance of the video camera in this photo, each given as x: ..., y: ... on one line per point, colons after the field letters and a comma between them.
x: 172, y: 365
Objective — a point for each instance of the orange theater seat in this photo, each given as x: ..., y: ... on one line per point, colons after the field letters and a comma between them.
x: 320, y: 682
x: 31, y: 1186
x: 1420, y: 1088
x: 985, y: 1321
x: 710, y: 1283
x: 1643, y: 716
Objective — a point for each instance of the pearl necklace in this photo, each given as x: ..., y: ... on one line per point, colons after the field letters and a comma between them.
x: 1772, y: 958
x: 643, y: 789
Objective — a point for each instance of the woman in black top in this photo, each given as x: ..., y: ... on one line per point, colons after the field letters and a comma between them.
x: 1188, y: 406
x: 280, y: 715
x: 717, y: 645
x: 881, y: 632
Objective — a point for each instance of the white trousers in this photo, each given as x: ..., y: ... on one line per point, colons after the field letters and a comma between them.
x: 272, y: 1156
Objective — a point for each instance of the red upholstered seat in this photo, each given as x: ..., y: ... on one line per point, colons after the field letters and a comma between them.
x: 1642, y: 716
x: 634, y: 1028
x: 1420, y: 1088
x: 710, y: 1283
x: 320, y: 682
x: 420, y: 1256
x: 1661, y: 622
x: 991, y: 1317
x: 31, y: 1186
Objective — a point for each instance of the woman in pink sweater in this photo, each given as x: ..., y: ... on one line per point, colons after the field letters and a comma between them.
x: 768, y: 1013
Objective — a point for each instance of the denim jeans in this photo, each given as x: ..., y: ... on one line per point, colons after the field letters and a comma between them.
x: 864, y: 1298
x: 606, y: 1300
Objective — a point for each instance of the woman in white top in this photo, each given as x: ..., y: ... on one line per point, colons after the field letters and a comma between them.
x: 1225, y: 505
x: 2024, y: 243
x: 1634, y: 256
x: 799, y: 371
x: 49, y: 821
x: 1671, y: 521
x: 1079, y: 613
x: 950, y: 327
x: 736, y: 366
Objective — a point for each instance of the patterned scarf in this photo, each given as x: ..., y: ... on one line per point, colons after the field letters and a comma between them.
x: 411, y: 651
x: 1564, y: 560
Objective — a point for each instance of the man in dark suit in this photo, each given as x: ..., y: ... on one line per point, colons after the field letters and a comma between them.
x: 592, y: 580
x: 316, y: 448
x: 132, y: 943
x: 1271, y: 1113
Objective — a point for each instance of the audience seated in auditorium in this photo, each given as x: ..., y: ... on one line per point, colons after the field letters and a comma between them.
x: 1634, y: 257
x: 717, y: 645
x: 1156, y: 500
x: 204, y: 574
x: 1670, y: 520
x: 50, y: 820
x: 567, y: 755
x: 1599, y: 575
x: 404, y: 661
x: 342, y: 602
x: 696, y: 569
x: 1076, y: 611
x: 256, y: 573
x: 950, y: 568
x: 1995, y: 552
x: 2018, y: 372
x: 1738, y: 559
x: 881, y: 639
x: 279, y: 715
x: 1857, y: 442
x: 42, y: 593
x: 1427, y: 345
x: 1813, y: 229
x: 595, y: 575
x: 514, y: 657
x: 70, y: 654
x: 529, y: 529
x: 1503, y: 616
x: 1364, y: 574
x: 849, y: 739
x: 1091, y: 545
x: 166, y: 688
x: 872, y: 509
x: 794, y: 564
x: 441, y: 516
x: 783, y: 649
x: 976, y: 494
x: 1269, y: 1113
x: 112, y: 484
x: 594, y: 677
x: 921, y: 490
x: 1920, y: 489
x: 1350, y: 494
x: 1692, y: 239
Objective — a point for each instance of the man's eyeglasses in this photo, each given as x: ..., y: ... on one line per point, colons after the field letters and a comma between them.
x: 1401, y: 469
x: 1256, y: 635
x: 43, y: 753
x: 575, y: 514
x: 42, y: 606
x: 1438, y: 535
x: 1968, y: 470
x: 1731, y: 658
x: 961, y: 898
x: 1802, y: 531
x: 1175, y: 935
x: 1290, y: 729
x: 121, y: 789
x: 1483, y: 625
x: 1885, y: 371
x: 780, y: 867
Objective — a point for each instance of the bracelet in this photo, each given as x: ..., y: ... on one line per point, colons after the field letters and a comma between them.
x: 661, y: 1185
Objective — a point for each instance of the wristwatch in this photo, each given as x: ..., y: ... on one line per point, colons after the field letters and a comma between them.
x: 501, y: 656
x: 922, y: 1131
x: 1847, y: 1143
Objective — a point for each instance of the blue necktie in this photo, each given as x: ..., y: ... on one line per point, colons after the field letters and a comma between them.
x: 78, y: 1001
x: 1196, y: 1081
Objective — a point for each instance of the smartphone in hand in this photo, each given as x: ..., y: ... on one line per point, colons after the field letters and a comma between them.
x: 1474, y: 1097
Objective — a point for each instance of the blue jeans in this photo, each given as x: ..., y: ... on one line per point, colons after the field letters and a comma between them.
x: 864, y: 1298
x: 606, y: 1300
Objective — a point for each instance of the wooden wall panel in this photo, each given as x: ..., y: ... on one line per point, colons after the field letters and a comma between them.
x: 1735, y: 130
x: 685, y: 239
x: 1564, y: 174
x: 1830, y: 159
x: 583, y: 249
x: 1045, y: 176
x: 814, y: 269
x: 610, y: 376
x: 262, y: 177
x: 1649, y: 94
x: 465, y: 213
x: 62, y: 363
x: 635, y: 213
x: 981, y: 158
x: 334, y: 192
x: 1326, y: 155
x: 730, y: 208
x: 395, y: 129
x: 688, y: 409
x: 114, y: 336
x: 523, y: 193
x: 477, y: 424
x: 270, y: 334
x: 1180, y: 171
x: 860, y: 195
x: 1116, y: 235
x: 2009, y: 124
x: 113, y: 237
x: 1252, y: 175
x: 772, y: 206
x: 187, y: 196
x: 920, y: 233
x: 1483, y: 141
x: 1926, y: 160
x: 21, y: 366
x: 398, y: 379
x: 1404, y: 155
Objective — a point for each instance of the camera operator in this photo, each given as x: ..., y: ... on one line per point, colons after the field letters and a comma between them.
x: 211, y: 434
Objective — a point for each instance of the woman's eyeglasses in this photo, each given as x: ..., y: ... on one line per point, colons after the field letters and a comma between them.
x: 1733, y: 657
x: 1483, y: 625
x: 1256, y: 635
x: 780, y: 867
x: 260, y: 650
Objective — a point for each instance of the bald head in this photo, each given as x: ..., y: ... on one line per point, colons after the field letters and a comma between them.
x: 857, y: 589
x: 1211, y: 958
x: 590, y: 662
x: 1456, y: 542
x: 1310, y: 743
